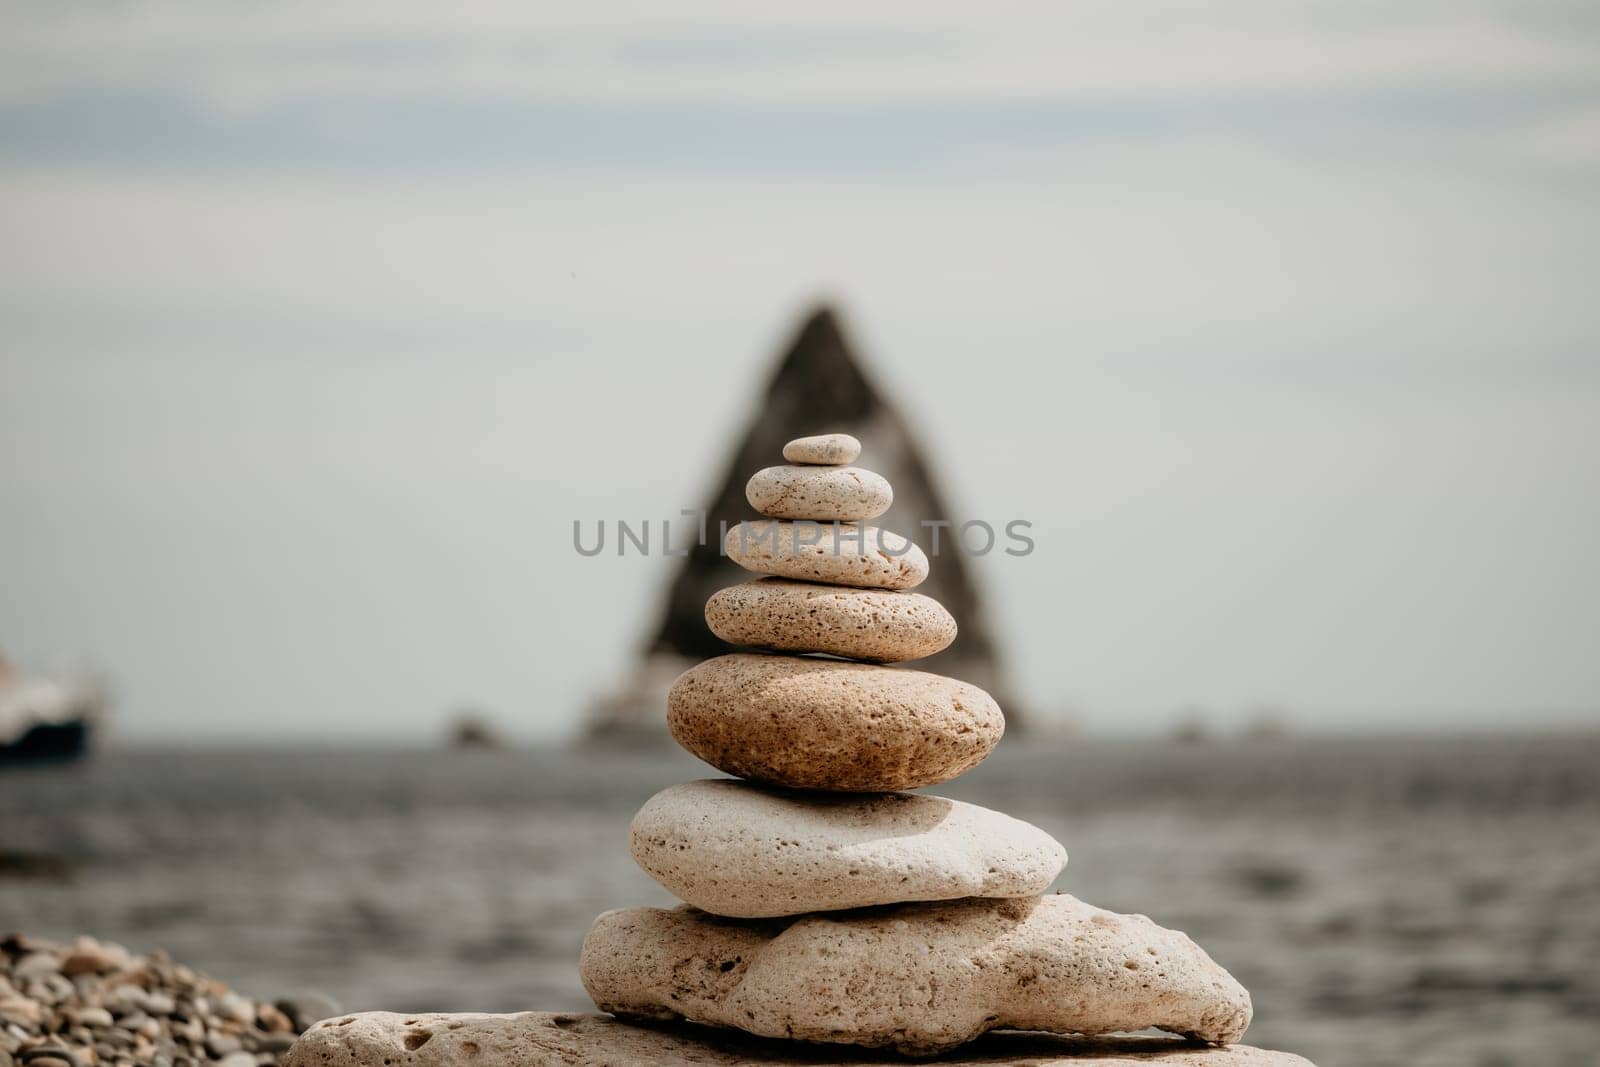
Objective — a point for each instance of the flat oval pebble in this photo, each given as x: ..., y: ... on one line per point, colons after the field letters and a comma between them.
x: 828, y: 724
x: 831, y: 449
x: 825, y: 494
x: 881, y: 625
x: 750, y: 851
x: 834, y: 553
x: 918, y: 977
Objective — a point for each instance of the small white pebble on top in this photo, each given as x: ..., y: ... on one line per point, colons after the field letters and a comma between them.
x: 827, y: 450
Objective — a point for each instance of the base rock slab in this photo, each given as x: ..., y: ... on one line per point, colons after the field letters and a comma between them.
x: 537, y: 1039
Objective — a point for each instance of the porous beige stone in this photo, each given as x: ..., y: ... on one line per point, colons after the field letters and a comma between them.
x: 825, y: 494
x: 750, y: 851
x: 834, y: 553
x: 829, y: 449
x: 540, y: 1039
x: 882, y: 625
x: 827, y: 724
x: 917, y: 977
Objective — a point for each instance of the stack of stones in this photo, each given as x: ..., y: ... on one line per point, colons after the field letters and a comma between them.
x: 823, y: 902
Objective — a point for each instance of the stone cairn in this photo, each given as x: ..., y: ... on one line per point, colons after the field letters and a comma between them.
x: 823, y: 902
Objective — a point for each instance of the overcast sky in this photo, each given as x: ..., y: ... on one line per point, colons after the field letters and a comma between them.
x: 323, y: 322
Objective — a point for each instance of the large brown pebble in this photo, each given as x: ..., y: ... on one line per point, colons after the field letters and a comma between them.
x: 540, y: 1039
x: 919, y: 977
x: 823, y: 494
x: 833, y: 553
x: 828, y: 724
x: 881, y: 625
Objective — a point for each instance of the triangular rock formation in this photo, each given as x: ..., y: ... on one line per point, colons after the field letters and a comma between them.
x: 818, y: 385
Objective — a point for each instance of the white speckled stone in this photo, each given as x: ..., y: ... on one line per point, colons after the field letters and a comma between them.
x: 865, y: 557
x: 749, y: 851
x: 918, y: 977
x: 828, y: 449
x: 881, y: 625
x: 826, y: 494
x: 541, y: 1039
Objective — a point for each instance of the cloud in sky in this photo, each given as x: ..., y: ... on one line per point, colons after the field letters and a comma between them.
x: 1278, y: 320
x: 821, y: 54
x: 718, y: 85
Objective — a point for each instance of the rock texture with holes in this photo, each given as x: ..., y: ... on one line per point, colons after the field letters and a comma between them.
x: 878, y: 625
x: 853, y: 554
x: 826, y: 724
x: 824, y: 494
x: 736, y: 849
x: 538, y: 1039
x: 919, y: 978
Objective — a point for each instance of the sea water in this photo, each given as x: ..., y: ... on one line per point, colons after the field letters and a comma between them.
x: 1385, y: 900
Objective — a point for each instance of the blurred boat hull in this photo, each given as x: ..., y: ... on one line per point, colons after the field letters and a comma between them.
x: 48, y: 742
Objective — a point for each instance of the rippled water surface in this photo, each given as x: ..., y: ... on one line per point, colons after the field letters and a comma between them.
x: 1386, y: 901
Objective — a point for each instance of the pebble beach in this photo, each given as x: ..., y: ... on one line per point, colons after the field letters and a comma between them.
x: 95, y: 1004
